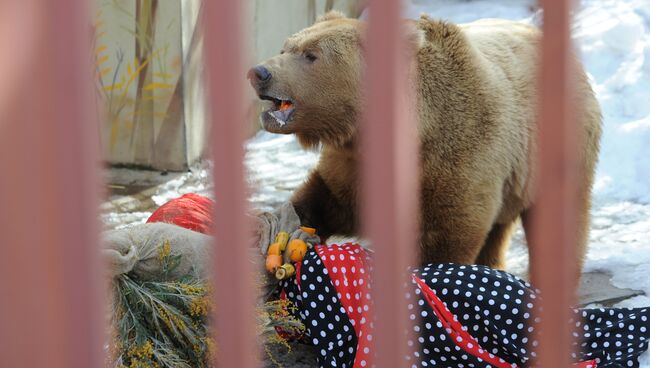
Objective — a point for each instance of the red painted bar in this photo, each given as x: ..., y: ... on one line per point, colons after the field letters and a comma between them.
x: 233, y: 292
x: 554, y: 223
x: 51, y: 290
x: 389, y: 178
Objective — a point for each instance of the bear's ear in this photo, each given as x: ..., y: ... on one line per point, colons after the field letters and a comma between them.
x: 330, y: 15
x: 414, y: 36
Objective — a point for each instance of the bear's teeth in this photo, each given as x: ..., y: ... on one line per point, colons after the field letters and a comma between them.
x: 279, y: 116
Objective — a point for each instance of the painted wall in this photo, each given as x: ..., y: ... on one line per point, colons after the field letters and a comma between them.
x: 140, y: 66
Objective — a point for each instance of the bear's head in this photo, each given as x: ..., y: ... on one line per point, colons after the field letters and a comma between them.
x: 312, y: 86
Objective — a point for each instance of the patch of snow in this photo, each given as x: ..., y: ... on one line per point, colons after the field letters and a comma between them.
x: 275, y: 164
x: 467, y: 11
x: 620, y: 244
x: 119, y: 220
x: 197, y: 180
x: 614, y: 43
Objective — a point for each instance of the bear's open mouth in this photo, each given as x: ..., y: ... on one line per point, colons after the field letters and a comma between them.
x: 281, y: 110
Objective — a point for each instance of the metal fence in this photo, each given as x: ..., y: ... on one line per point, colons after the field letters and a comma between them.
x: 51, y: 292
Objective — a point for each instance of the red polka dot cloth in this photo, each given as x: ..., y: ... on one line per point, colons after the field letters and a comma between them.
x: 463, y: 316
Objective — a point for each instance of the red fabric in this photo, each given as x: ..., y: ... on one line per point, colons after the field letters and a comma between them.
x: 462, y: 338
x: 191, y: 211
x: 348, y: 267
x: 587, y: 364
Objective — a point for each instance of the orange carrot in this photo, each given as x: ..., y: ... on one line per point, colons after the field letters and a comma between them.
x: 297, y: 249
x: 273, y: 261
x: 284, y: 105
x: 274, y: 249
x: 308, y: 230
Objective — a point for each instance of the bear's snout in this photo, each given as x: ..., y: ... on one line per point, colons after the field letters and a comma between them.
x: 259, y: 75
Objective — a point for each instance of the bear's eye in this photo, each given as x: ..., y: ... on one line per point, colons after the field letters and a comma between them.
x: 310, y: 56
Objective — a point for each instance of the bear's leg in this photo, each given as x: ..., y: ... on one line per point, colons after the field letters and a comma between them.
x: 453, y: 241
x: 583, y: 213
x: 583, y: 206
x: 493, y: 253
x: 317, y: 207
x: 455, y: 227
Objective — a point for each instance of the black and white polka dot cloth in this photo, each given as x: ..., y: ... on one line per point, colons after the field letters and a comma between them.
x: 463, y: 316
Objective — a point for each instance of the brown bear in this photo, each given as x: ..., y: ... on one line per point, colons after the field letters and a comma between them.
x: 477, y: 129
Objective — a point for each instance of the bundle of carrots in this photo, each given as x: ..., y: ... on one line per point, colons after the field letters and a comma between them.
x: 283, y: 254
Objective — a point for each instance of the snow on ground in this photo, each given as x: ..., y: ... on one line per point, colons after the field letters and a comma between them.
x: 276, y: 165
x: 463, y: 11
x: 613, y: 40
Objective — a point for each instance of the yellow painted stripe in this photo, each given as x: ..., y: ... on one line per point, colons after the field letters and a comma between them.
x: 152, y: 86
x: 155, y: 114
x: 113, y: 87
x: 115, y: 126
x: 104, y: 71
x: 163, y: 76
x: 102, y: 60
x: 132, y: 78
x: 157, y: 97
x: 100, y: 49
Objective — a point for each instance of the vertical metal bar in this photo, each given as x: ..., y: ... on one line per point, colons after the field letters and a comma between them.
x: 51, y: 313
x: 232, y: 280
x: 389, y: 177
x: 554, y: 231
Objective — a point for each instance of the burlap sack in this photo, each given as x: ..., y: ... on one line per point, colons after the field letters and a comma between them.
x: 166, y: 252
x: 156, y: 251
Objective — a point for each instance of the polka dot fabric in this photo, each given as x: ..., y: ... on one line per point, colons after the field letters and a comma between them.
x: 332, y: 293
x: 497, y: 309
x: 463, y: 316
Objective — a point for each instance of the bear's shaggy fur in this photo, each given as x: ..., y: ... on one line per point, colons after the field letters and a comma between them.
x: 477, y: 127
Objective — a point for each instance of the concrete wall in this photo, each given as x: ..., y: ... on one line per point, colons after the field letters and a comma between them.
x: 196, y: 129
x: 274, y: 20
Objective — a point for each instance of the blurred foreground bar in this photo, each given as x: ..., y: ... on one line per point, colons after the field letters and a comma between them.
x: 52, y: 296
x: 233, y: 287
x: 554, y: 232
x: 390, y: 174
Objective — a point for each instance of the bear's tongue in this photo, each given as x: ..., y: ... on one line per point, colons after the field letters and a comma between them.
x: 283, y: 113
x: 285, y: 105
